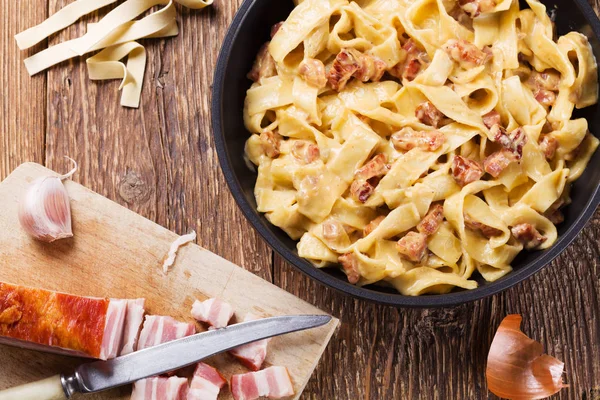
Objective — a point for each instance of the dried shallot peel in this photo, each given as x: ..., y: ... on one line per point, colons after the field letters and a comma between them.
x: 517, y: 367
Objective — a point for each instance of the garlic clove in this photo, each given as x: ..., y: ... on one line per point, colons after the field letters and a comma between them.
x: 45, y: 211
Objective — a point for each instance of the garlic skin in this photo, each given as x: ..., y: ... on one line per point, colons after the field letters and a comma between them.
x: 45, y: 211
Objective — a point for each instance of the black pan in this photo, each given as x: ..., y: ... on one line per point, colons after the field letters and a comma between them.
x: 249, y: 30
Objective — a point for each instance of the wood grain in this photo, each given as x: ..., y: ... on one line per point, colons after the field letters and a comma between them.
x: 117, y: 253
x: 160, y: 161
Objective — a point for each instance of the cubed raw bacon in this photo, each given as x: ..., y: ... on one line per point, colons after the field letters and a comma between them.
x: 371, y: 226
x: 432, y: 221
x: 272, y: 382
x: 60, y: 323
x: 497, y: 162
x: 313, y: 72
x: 466, y: 54
x: 492, y: 118
x: 428, y: 114
x: 160, y: 388
x: 214, y: 312
x: 264, y: 65
x: 407, y: 139
x: 271, y: 143
x: 412, y: 246
x: 515, y: 141
x: 352, y: 63
x: 305, y: 152
x: 133, y: 323
x: 206, y: 383
x: 161, y: 329
x: 349, y: 264
x: 415, y: 60
x: 465, y: 170
x: 252, y: 355
x: 528, y: 235
x: 484, y: 229
x: 475, y: 7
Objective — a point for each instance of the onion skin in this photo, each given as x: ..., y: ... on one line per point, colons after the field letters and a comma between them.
x: 517, y: 369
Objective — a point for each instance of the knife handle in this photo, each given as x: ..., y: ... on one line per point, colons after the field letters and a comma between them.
x: 46, y: 389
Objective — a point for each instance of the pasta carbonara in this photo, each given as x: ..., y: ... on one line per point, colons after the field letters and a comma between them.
x: 416, y: 143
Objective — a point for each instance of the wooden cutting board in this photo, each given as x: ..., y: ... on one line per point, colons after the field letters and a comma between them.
x: 117, y: 253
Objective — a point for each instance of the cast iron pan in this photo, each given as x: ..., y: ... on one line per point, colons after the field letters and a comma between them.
x: 249, y: 30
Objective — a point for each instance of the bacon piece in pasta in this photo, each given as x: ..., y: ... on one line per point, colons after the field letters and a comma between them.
x: 415, y: 61
x: 492, y: 118
x: 352, y: 63
x: 496, y: 162
x: 412, y: 246
x: 528, y: 235
x: 554, y: 214
x: 513, y: 141
x: 465, y: 170
x: 264, y: 65
x: 548, y: 145
x: 377, y: 167
x: 475, y: 7
x: 467, y: 54
x: 361, y: 190
x: 477, y: 226
x: 428, y: 114
x: 333, y: 230
x: 271, y: 143
x: 407, y: 139
x: 350, y: 265
x: 371, y: 226
x: 544, y: 86
x: 305, y: 152
x: 432, y: 221
x: 313, y: 72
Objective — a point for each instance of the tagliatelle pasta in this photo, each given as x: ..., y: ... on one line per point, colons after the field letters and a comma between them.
x: 416, y: 143
x: 116, y: 32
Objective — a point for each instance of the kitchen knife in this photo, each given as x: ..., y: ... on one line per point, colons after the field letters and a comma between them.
x: 103, y: 375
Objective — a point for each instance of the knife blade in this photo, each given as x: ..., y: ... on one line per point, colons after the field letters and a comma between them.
x: 103, y: 375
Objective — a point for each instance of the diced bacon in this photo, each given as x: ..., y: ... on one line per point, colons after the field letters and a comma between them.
x: 313, y: 72
x: 60, y: 323
x: 133, y: 323
x: 206, y: 383
x: 160, y: 329
x: 376, y: 167
x: 428, y: 114
x: 545, y: 97
x: 415, y: 61
x: 361, y: 190
x: 352, y: 63
x: 484, y: 229
x: 371, y: 226
x: 350, y: 266
x: 497, y: 162
x: 214, y: 312
x: 492, y: 118
x: 305, y: 152
x: 528, y: 235
x: 513, y: 141
x: 252, y: 355
x: 548, y: 80
x: 275, y: 28
x: 466, y: 54
x: 412, y: 246
x: 334, y: 229
x: 264, y: 65
x: 432, y: 221
x: 461, y: 16
x: 159, y: 388
x: 271, y: 143
x: 465, y: 170
x: 548, y: 145
x: 475, y: 7
x: 554, y: 214
x: 272, y: 383
x: 407, y: 139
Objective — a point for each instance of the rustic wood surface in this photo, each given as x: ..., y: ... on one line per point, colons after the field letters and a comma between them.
x: 118, y: 253
x: 160, y: 162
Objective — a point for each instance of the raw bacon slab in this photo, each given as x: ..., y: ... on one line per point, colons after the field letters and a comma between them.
x: 133, y: 323
x: 160, y: 388
x: 252, y: 355
x: 214, y: 312
x: 60, y: 323
x: 159, y: 329
x: 206, y: 383
x: 272, y: 382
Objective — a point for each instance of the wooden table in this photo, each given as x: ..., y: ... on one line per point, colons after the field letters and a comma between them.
x: 160, y: 162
